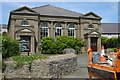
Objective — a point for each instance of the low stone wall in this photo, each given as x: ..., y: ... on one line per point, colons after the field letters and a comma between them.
x: 53, y: 67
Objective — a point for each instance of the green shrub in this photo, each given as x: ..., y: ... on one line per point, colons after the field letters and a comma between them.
x: 9, y: 47
x: 104, y: 40
x: 118, y: 42
x: 110, y: 42
x: 115, y: 49
x: 50, y: 45
x: 68, y: 42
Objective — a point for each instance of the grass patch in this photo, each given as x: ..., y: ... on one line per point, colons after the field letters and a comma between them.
x: 20, y: 60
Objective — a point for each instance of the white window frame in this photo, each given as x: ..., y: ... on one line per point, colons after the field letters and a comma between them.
x: 73, y: 29
x: 58, y: 27
x: 44, y: 27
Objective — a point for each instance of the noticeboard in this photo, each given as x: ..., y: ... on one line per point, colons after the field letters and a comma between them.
x: 24, y: 46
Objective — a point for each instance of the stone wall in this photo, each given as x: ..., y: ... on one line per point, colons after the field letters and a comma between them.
x: 53, y: 67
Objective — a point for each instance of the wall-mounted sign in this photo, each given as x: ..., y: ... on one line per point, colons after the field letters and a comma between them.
x: 24, y: 46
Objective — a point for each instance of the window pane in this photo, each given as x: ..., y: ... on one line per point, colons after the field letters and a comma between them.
x: 58, y: 28
x: 71, y: 30
x: 24, y: 22
x: 44, y: 30
x: 90, y: 26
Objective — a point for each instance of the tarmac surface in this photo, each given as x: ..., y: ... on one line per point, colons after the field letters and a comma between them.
x: 82, y: 68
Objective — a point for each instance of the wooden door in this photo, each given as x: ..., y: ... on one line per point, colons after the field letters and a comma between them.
x: 94, y: 43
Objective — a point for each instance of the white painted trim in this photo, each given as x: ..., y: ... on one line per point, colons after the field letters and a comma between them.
x: 25, y: 25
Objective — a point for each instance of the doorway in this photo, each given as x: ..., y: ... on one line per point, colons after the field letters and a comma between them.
x: 26, y: 39
x: 94, y: 43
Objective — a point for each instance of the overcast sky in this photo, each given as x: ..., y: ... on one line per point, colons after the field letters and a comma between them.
x: 107, y: 10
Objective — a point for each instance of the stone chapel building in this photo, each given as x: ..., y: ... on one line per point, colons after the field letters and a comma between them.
x: 32, y: 24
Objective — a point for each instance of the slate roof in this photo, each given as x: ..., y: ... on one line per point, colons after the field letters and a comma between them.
x: 55, y: 11
x: 110, y: 28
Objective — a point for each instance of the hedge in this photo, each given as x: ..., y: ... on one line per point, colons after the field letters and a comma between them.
x: 52, y: 46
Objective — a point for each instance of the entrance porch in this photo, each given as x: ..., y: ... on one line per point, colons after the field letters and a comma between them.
x: 93, y: 41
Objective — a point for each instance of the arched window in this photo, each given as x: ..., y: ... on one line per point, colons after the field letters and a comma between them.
x: 90, y: 26
x: 71, y: 30
x: 24, y: 23
x: 44, y: 29
x: 58, y: 28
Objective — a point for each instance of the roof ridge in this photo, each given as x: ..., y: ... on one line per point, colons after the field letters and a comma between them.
x: 40, y: 6
x: 58, y: 7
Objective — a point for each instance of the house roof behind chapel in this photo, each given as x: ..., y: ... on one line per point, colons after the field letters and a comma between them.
x: 110, y: 28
